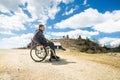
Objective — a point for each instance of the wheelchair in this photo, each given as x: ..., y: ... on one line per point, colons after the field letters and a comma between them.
x: 39, y: 54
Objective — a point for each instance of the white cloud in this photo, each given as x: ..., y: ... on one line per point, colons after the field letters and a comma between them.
x: 67, y: 1
x: 74, y: 33
x: 44, y: 9
x: 6, y: 32
x: 109, y: 41
x: 85, y: 2
x: 70, y: 11
x: 83, y: 19
x: 16, y: 41
x: 3, y: 9
x: 14, y: 22
x: 52, y: 12
x: 108, y: 26
x: 64, y: 1
x: 9, y: 5
x: 105, y: 22
x: 115, y: 43
x: 49, y: 27
x: 40, y: 10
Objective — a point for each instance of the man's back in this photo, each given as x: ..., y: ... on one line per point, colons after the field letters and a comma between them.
x: 39, y: 37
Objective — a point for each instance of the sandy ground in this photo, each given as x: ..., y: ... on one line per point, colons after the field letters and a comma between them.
x: 17, y: 65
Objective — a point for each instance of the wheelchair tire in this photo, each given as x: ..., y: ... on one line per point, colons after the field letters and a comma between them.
x: 38, y: 55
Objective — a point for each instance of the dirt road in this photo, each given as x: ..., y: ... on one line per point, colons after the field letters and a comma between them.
x: 17, y: 65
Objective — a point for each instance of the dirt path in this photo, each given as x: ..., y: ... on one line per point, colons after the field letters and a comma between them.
x: 17, y: 65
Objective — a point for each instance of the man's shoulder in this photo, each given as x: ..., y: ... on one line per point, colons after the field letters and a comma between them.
x: 38, y: 31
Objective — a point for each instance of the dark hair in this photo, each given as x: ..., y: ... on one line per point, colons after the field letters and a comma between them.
x: 41, y: 25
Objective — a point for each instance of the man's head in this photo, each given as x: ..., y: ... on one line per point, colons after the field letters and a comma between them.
x: 41, y: 27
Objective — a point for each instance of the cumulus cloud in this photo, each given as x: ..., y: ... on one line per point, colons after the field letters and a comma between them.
x: 44, y: 9
x: 75, y: 33
x: 16, y: 41
x: 40, y: 10
x: 83, y: 19
x: 113, y: 42
x: 9, y: 5
x: 107, y: 22
x: 12, y: 22
x: 108, y: 26
x: 15, y: 22
x: 3, y: 9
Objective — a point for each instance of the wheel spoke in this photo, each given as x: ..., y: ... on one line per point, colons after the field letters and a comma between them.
x: 38, y: 55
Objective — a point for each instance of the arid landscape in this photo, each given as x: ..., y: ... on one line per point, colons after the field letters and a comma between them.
x: 16, y: 64
x: 84, y: 33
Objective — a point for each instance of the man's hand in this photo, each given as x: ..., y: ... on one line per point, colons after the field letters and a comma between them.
x: 41, y: 46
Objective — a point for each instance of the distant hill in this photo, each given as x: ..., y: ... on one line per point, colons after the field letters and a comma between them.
x: 83, y: 45
x: 21, y: 48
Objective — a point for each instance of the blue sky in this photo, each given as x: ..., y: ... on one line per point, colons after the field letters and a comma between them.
x: 98, y: 20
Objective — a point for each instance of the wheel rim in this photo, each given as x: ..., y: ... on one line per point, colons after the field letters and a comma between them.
x: 38, y: 55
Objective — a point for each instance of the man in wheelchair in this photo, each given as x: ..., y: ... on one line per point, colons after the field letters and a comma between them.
x: 40, y: 39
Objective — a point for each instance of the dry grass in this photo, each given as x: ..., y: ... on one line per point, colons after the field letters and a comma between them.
x: 102, y: 58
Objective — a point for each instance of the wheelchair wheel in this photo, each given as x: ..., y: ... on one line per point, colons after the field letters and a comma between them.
x: 38, y: 54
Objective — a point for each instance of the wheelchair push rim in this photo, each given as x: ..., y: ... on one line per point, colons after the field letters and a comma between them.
x: 38, y: 54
